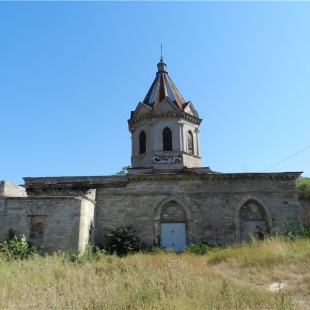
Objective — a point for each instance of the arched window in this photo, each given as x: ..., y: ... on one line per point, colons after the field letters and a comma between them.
x: 142, y: 142
x: 167, y: 139
x: 190, y: 144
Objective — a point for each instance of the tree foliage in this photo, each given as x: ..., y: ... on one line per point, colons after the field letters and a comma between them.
x: 303, y: 188
x: 123, y: 171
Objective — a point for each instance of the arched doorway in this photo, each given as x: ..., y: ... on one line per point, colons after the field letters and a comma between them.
x: 173, y: 224
x: 173, y: 230
x: 252, y: 219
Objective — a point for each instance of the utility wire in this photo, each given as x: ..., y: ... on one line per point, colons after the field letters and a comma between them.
x: 287, y: 158
x: 305, y: 162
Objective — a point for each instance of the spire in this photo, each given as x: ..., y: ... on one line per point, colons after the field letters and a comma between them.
x: 161, y: 65
x: 163, y: 87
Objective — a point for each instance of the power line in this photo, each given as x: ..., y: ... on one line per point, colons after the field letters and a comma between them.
x: 305, y: 162
x: 287, y: 158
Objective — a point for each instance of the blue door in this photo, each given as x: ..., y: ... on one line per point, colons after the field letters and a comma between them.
x: 173, y: 236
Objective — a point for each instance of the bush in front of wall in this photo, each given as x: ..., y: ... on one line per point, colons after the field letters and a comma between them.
x: 199, y: 248
x: 17, y: 248
x: 122, y: 241
x: 306, y: 231
x: 289, y: 230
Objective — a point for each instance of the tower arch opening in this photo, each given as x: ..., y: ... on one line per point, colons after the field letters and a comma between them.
x: 190, y: 142
x: 142, y: 142
x: 167, y: 139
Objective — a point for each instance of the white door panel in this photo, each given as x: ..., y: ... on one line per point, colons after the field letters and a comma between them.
x: 173, y: 236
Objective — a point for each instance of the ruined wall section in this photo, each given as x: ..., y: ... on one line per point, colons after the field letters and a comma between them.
x: 51, y: 223
x: 8, y: 189
x: 67, y: 186
x: 213, y: 202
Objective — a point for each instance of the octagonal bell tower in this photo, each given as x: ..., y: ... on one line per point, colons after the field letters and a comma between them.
x: 164, y: 128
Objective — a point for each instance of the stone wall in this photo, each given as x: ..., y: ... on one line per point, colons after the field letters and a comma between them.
x: 51, y: 223
x: 60, y: 213
x: 211, y: 204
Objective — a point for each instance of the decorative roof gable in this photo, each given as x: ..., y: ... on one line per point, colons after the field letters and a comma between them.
x: 141, y: 109
x: 189, y: 108
x: 166, y: 105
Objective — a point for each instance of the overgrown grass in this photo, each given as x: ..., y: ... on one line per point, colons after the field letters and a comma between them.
x: 224, y: 278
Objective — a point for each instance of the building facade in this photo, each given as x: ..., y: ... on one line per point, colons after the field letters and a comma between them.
x: 166, y: 197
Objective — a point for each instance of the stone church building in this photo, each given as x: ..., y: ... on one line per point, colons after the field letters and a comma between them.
x: 166, y: 197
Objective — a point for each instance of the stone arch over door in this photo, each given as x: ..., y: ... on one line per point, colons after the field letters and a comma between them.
x: 251, y: 216
x: 173, y: 210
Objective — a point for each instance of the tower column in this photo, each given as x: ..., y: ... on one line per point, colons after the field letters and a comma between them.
x: 151, y: 147
x: 196, y: 147
x: 181, y: 136
x: 133, y: 142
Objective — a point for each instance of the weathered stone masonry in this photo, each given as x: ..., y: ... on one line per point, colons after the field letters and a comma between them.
x: 167, y: 198
x: 209, y: 205
x: 51, y: 222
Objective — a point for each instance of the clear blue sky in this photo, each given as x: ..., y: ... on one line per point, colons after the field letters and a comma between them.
x: 71, y: 72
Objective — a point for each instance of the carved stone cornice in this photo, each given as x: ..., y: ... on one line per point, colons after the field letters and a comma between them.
x: 166, y: 114
x: 213, y: 176
x: 156, y: 175
x: 76, y: 182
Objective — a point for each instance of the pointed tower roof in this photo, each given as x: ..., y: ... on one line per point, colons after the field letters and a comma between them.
x: 163, y: 87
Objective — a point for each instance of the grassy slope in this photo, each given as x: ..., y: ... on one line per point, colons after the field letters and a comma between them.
x: 223, y: 279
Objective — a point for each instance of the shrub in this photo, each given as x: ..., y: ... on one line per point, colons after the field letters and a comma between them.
x: 122, y: 241
x: 288, y: 230
x: 199, y: 248
x: 303, y: 188
x: 91, y: 254
x: 17, y: 248
x: 264, y: 233
x: 157, y: 249
x: 306, y: 231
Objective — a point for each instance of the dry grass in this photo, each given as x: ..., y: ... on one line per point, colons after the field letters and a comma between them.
x: 223, y: 279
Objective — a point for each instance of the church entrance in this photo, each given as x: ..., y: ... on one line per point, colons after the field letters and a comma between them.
x: 173, y: 236
x: 173, y: 227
